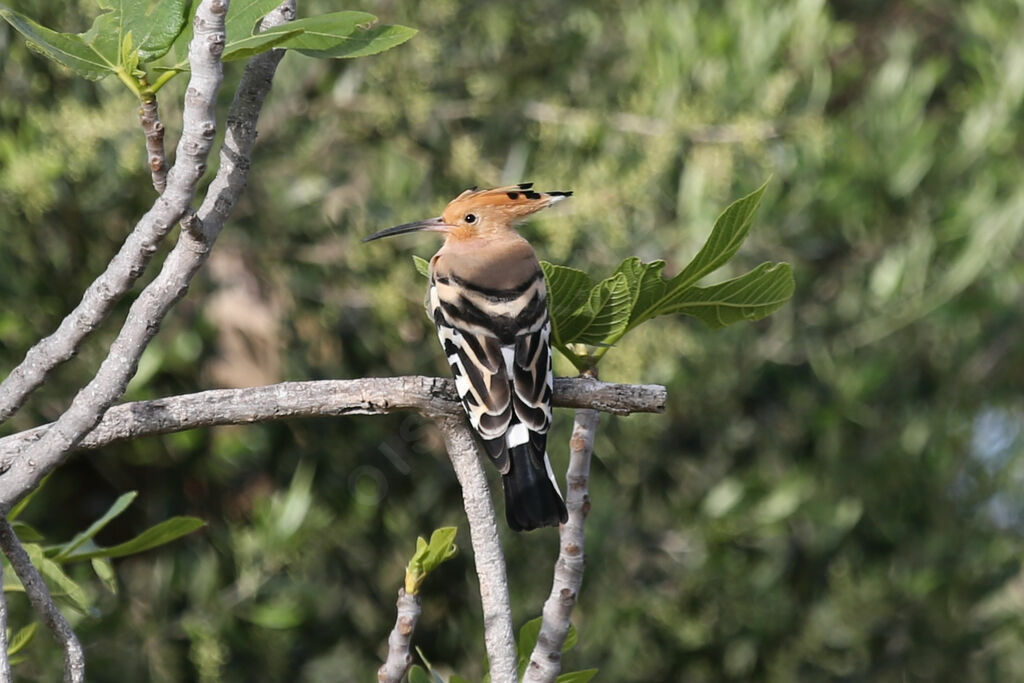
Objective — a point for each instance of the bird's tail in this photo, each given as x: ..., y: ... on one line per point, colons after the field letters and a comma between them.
x: 532, y: 499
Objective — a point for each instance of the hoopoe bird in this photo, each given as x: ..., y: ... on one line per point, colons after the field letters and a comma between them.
x: 488, y: 300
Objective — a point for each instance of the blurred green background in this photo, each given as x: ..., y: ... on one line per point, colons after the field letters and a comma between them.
x: 834, y: 493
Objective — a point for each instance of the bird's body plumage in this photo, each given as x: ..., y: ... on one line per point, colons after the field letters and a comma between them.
x: 488, y: 300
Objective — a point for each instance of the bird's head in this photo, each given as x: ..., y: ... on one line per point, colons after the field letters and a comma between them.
x: 475, y: 213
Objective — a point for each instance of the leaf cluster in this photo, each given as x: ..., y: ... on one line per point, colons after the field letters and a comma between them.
x: 587, y: 314
x: 129, y: 38
x: 51, y: 558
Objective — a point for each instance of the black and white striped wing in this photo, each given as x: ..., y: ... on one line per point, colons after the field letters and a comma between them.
x: 532, y: 386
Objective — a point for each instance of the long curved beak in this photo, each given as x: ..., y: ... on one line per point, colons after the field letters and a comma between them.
x: 431, y: 225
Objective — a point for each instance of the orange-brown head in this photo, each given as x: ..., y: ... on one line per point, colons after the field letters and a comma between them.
x: 477, y: 213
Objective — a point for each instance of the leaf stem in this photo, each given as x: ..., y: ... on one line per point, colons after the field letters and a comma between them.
x: 162, y: 80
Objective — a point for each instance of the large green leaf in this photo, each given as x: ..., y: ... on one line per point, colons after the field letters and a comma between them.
x: 257, y: 43
x: 730, y: 230
x: 324, y: 31
x: 68, y: 49
x: 157, y: 535
x: 568, y: 289
x: 751, y: 296
x: 364, y: 42
x: 153, y: 28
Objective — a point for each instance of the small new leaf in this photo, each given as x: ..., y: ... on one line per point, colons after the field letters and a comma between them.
x: 429, y: 556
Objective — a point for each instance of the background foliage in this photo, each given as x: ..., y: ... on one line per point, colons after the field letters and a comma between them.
x: 835, y: 492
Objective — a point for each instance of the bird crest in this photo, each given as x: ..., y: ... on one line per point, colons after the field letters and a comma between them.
x: 501, y: 207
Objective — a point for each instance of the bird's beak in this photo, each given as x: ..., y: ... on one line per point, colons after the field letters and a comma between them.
x: 431, y: 225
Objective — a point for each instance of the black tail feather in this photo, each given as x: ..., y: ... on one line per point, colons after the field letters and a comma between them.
x: 531, y: 499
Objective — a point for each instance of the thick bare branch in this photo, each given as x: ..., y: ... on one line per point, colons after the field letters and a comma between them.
x: 198, y: 121
x: 546, y: 659
x: 156, y: 300
x: 430, y: 396
x: 42, y: 602
x: 149, y: 117
x: 487, y: 554
x: 399, y: 659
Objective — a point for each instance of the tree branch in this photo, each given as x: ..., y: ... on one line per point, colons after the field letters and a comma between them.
x: 149, y: 117
x: 5, y: 663
x: 399, y: 659
x: 42, y: 602
x: 546, y: 659
x: 487, y: 554
x: 198, y: 129
x: 430, y: 396
x: 156, y: 300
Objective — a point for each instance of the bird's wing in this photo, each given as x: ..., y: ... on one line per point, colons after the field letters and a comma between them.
x: 479, y: 366
x: 532, y: 388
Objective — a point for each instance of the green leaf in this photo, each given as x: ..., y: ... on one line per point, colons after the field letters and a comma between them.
x: 730, y: 230
x: 153, y: 25
x: 577, y: 676
x: 157, y: 535
x: 568, y: 289
x: 422, y: 266
x: 105, y: 571
x: 364, y: 42
x: 21, y: 638
x: 418, y: 675
x: 27, y: 533
x: 527, y: 640
x: 571, y: 638
x: 56, y: 576
x: 455, y: 678
x: 324, y: 31
x: 608, y: 308
x: 64, y: 48
x: 256, y: 44
x: 243, y: 16
x: 751, y: 296
x: 61, y: 552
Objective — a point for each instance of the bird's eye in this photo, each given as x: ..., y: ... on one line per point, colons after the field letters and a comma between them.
x: 471, y: 218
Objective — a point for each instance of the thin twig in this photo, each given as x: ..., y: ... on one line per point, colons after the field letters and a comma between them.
x: 149, y: 117
x: 5, y: 662
x: 546, y: 659
x: 198, y: 119
x: 487, y: 555
x: 157, y: 299
x: 399, y: 659
x: 429, y: 396
x: 42, y: 602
